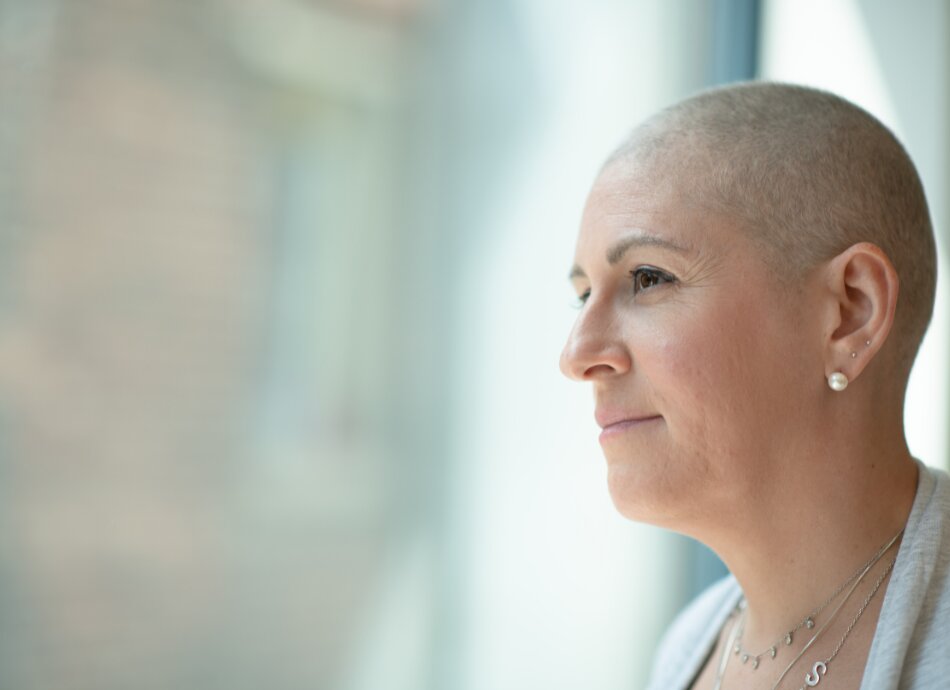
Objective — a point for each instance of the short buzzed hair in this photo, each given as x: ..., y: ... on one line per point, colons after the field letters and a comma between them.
x: 807, y: 174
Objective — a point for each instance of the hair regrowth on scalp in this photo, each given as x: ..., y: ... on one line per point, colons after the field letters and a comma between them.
x: 807, y: 174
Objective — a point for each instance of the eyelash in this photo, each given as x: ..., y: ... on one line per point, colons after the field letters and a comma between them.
x: 635, y: 277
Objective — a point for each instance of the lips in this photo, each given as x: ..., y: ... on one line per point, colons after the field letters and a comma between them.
x: 608, y: 417
x: 621, y: 424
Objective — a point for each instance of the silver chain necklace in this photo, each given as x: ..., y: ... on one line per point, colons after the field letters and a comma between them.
x: 809, y: 620
x: 820, y: 668
x: 814, y: 678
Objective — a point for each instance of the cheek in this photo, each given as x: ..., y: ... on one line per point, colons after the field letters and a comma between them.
x: 708, y: 376
x: 701, y: 363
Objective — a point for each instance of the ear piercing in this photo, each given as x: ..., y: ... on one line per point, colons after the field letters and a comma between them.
x: 838, y: 381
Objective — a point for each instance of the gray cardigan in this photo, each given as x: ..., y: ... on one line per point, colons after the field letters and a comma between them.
x: 911, y: 647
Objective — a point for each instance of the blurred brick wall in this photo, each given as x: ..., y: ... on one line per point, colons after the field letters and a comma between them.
x: 135, y: 271
x: 139, y: 189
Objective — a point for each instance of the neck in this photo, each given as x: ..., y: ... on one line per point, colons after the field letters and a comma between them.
x: 817, y: 524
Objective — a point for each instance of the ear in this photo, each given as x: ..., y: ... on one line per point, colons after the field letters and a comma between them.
x: 863, y: 287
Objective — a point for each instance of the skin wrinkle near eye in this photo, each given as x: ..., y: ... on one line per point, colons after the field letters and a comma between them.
x: 703, y: 271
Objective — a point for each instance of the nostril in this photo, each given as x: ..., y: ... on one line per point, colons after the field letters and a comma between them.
x: 597, y: 369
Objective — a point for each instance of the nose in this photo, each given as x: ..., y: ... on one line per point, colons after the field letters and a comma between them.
x: 594, y: 348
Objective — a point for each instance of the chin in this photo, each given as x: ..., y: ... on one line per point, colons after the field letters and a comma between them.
x: 643, y: 495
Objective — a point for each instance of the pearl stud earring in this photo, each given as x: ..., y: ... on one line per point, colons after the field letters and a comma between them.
x: 838, y: 381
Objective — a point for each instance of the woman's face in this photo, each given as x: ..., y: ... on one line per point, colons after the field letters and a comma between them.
x: 682, y: 323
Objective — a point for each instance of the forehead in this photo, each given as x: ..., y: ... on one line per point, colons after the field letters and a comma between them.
x: 647, y: 209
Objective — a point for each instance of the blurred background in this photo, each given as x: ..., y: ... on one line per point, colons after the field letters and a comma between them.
x: 282, y: 294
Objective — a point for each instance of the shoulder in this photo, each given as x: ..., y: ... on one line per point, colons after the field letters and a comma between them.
x: 941, y: 488
x: 930, y: 560
x: 909, y: 647
x: 929, y: 524
x: 686, y: 643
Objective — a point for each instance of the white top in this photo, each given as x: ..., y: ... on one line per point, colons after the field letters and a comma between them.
x: 911, y: 647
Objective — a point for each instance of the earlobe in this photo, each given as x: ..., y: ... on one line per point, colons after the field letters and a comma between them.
x: 864, y: 287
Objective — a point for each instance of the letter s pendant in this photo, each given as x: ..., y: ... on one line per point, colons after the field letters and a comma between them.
x: 817, y: 671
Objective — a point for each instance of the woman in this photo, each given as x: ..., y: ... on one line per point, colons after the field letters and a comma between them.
x: 756, y: 269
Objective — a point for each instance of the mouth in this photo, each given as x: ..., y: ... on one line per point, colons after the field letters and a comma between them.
x: 626, y: 425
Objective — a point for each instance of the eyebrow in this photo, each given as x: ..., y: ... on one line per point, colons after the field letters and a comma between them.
x: 617, y: 251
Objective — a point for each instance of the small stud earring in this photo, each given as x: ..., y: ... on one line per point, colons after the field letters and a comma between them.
x: 853, y: 355
x: 837, y: 381
x: 867, y: 342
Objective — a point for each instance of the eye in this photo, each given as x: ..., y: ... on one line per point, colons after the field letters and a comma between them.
x: 645, y: 278
x: 581, y: 299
